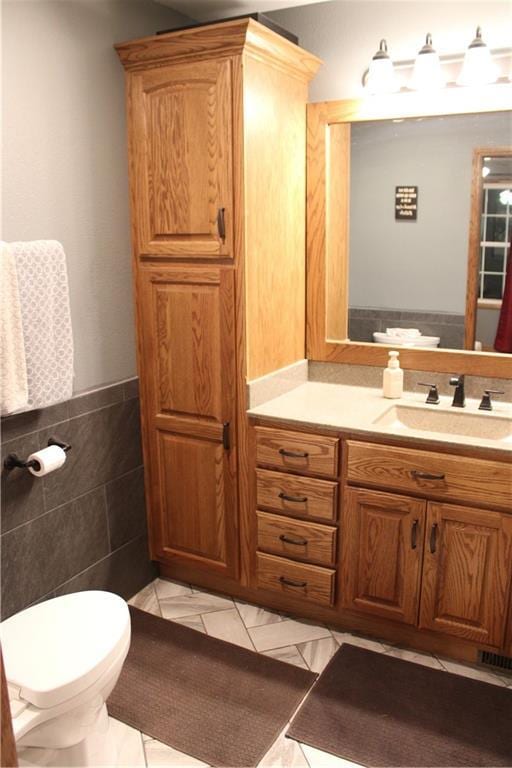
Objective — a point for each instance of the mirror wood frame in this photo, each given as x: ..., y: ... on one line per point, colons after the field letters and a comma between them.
x: 328, y: 189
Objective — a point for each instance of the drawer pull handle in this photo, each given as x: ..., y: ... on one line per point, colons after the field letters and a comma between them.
x: 433, y: 538
x: 300, y: 542
x: 291, y: 583
x: 414, y: 534
x: 294, y: 454
x: 298, y: 499
x: 418, y: 475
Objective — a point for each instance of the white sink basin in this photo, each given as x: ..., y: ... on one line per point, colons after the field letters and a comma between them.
x: 486, y: 426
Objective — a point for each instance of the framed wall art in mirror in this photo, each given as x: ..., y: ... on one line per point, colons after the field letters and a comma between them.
x: 393, y: 237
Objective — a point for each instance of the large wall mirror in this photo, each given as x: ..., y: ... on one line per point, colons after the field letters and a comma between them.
x: 409, y: 230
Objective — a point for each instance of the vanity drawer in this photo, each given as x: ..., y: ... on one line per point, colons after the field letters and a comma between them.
x: 453, y: 477
x: 293, y: 538
x: 296, y: 451
x: 292, y: 494
x: 309, y: 582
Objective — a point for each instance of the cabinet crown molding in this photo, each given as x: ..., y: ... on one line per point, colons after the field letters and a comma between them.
x: 228, y: 38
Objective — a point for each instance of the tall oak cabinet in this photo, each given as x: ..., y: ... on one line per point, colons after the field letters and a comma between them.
x: 216, y: 133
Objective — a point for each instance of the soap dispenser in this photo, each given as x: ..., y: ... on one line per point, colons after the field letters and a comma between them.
x: 393, y: 378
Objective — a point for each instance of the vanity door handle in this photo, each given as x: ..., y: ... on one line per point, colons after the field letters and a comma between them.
x: 221, y: 224
x: 433, y: 538
x: 294, y: 454
x: 418, y: 475
x: 291, y: 583
x: 300, y: 542
x: 414, y: 534
x: 297, y: 499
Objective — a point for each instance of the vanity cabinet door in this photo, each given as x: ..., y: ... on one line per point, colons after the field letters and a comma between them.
x: 181, y: 159
x: 187, y: 362
x: 466, y: 573
x: 381, y: 554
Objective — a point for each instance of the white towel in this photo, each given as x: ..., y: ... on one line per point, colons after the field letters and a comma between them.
x: 404, y: 333
x: 13, y: 368
x: 46, y: 317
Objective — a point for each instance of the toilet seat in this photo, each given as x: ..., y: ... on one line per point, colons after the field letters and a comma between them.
x: 58, y: 649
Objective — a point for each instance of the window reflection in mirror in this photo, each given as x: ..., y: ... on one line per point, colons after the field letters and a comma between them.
x: 411, y: 274
x: 493, y: 176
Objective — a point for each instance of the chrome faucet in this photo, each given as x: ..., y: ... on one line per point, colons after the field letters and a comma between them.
x: 459, y: 397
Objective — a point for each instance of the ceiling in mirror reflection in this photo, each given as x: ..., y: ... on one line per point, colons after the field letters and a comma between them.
x: 412, y: 273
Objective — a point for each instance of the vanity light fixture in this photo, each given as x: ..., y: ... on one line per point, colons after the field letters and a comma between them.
x: 478, y: 67
x: 427, y: 73
x: 381, y: 73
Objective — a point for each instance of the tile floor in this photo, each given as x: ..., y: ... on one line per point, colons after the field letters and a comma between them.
x: 298, y: 642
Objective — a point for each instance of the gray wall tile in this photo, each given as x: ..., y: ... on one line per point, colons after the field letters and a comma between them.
x: 105, y: 444
x: 97, y: 399
x: 124, y: 572
x: 126, y: 508
x: 40, y: 555
x: 22, y: 493
x: 59, y: 533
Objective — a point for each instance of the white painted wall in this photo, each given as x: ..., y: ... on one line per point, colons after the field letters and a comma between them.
x: 64, y: 158
x: 346, y: 34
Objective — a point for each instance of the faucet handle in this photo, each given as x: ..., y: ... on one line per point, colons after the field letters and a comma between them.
x: 486, y: 404
x: 433, y: 394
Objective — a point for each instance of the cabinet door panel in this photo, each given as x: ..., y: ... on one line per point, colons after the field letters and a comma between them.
x: 181, y: 152
x: 467, y: 566
x: 381, y: 554
x: 188, y: 396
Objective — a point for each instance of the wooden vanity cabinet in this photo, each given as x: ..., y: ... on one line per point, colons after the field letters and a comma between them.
x: 216, y: 140
x: 401, y: 553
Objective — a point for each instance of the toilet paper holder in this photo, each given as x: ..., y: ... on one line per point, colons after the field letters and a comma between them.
x: 12, y: 460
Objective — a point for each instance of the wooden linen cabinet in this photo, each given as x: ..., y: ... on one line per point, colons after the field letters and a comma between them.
x: 217, y: 134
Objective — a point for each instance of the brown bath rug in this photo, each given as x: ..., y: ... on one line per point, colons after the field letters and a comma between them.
x: 213, y: 700
x: 381, y: 711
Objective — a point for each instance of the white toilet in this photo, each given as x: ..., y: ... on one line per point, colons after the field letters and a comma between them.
x: 62, y: 659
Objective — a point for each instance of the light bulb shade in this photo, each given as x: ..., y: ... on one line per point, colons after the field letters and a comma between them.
x: 427, y: 74
x: 381, y: 73
x: 478, y: 67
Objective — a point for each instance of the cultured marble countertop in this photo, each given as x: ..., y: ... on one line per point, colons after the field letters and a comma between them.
x: 356, y: 409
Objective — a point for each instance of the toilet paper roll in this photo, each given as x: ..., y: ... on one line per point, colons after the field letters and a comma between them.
x: 48, y: 459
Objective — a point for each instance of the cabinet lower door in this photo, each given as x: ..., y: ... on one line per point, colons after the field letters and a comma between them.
x: 186, y: 336
x: 382, y: 536
x: 467, y: 567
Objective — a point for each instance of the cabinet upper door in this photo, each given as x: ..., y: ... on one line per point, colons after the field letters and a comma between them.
x: 467, y: 566
x: 180, y: 140
x: 382, y: 538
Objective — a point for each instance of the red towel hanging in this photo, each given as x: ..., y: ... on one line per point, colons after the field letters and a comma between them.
x: 503, y: 340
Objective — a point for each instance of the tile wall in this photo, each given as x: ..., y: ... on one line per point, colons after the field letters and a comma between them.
x: 84, y: 525
x: 362, y: 323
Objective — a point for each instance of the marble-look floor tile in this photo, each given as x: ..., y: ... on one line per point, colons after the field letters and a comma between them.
x: 289, y: 654
x: 284, y: 753
x: 318, y: 759
x: 361, y: 642
x: 476, y: 673
x: 317, y: 653
x: 194, y: 622
x: 288, y: 632
x: 417, y: 657
x: 165, y: 589
x: 158, y: 754
x: 254, y: 616
x: 188, y: 605
x: 130, y: 750
x: 146, y: 600
x: 227, y: 625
